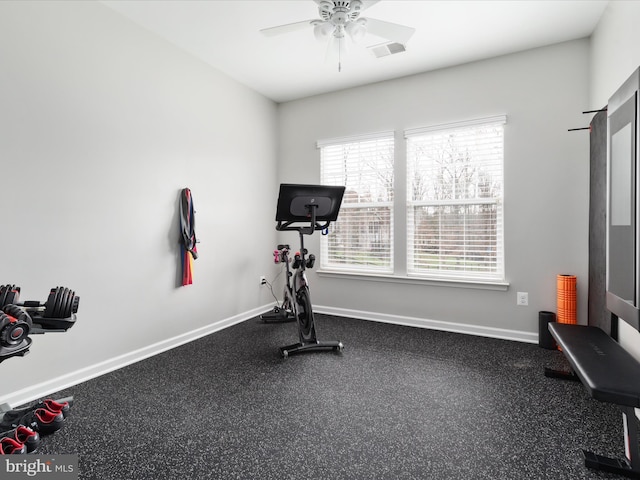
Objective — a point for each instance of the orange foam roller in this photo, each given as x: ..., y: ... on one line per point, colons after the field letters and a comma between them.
x: 567, y: 299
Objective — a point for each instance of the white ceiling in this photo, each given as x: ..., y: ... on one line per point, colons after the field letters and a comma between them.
x: 226, y: 34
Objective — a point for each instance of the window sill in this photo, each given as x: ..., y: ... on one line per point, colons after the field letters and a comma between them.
x: 436, y: 282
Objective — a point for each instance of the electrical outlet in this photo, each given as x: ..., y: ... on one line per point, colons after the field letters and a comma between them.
x: 522, y: 298
x: 263, y: 280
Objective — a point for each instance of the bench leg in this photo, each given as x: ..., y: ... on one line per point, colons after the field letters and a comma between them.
x: 563, y: 374
x: 607, y: 464
x: 629, y: 466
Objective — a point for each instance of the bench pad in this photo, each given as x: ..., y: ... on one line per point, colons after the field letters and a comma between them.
x: 606, y: 369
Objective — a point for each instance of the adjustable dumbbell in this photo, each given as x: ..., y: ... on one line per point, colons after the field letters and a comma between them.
x: 15, y: 325
x: 9, y: 294
x: 61, y: 303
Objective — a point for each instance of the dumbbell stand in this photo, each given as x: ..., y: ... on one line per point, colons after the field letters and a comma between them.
x: 37, y: 330
x: 40, y: 325
x: 45, y: 324
x: 18, y: 351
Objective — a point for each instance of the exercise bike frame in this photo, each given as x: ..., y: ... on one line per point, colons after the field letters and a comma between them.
x: 285, y: 312
x: 297, y: 289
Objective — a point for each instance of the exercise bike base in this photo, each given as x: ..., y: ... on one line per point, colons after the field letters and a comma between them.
x: 311, y: 346
x: 278, y: 315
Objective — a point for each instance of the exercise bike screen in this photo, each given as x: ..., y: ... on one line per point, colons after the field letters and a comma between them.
x: 294, y: 201
x: 300, y: 206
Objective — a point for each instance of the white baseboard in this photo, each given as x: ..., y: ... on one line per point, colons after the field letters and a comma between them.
x: 478, y: 330
x: 87, y: 373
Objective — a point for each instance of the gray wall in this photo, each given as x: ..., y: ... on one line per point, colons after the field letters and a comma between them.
x: 614, y: 57
x: 101, y: 125
x: 614, y: 53
x: 543, y: 93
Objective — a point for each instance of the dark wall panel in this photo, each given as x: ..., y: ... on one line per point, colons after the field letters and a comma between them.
x: 598, y: 314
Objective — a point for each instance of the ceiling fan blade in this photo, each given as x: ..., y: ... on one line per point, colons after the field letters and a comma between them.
x: 368, y: 4
x: 390, y: 31
x: 289, y: 27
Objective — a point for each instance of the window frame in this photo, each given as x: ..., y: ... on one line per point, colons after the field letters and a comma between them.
x: 400, y: 271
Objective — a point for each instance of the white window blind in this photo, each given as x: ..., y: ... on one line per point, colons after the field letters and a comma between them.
x: 361, y: 240
x: 454, y: 200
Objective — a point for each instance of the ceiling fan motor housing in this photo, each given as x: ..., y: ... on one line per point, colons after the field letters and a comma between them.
x: 339, y: 12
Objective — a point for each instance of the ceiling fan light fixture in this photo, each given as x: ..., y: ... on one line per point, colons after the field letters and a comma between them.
x: 322, y: 30
x: 356, y: 30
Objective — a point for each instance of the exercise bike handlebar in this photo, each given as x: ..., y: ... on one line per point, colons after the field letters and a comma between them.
x: 306, y: 230
x: 286, y: 226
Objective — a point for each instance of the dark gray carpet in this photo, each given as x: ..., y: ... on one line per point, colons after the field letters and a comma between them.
x: 398, y: 403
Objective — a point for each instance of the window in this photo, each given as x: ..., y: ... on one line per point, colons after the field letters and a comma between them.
x: 362, y: 238
x: 454, y: 200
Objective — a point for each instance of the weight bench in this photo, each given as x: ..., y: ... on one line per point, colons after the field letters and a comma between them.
x: 610, y: 374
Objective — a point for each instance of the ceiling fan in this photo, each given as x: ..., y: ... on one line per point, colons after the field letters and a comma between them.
x: 340, y: 19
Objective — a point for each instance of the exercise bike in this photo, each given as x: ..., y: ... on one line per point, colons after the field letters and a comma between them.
x: 315, y: 207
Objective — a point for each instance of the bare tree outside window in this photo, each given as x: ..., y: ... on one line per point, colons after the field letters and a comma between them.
x: 454, y: 210
x: 362, y: 237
